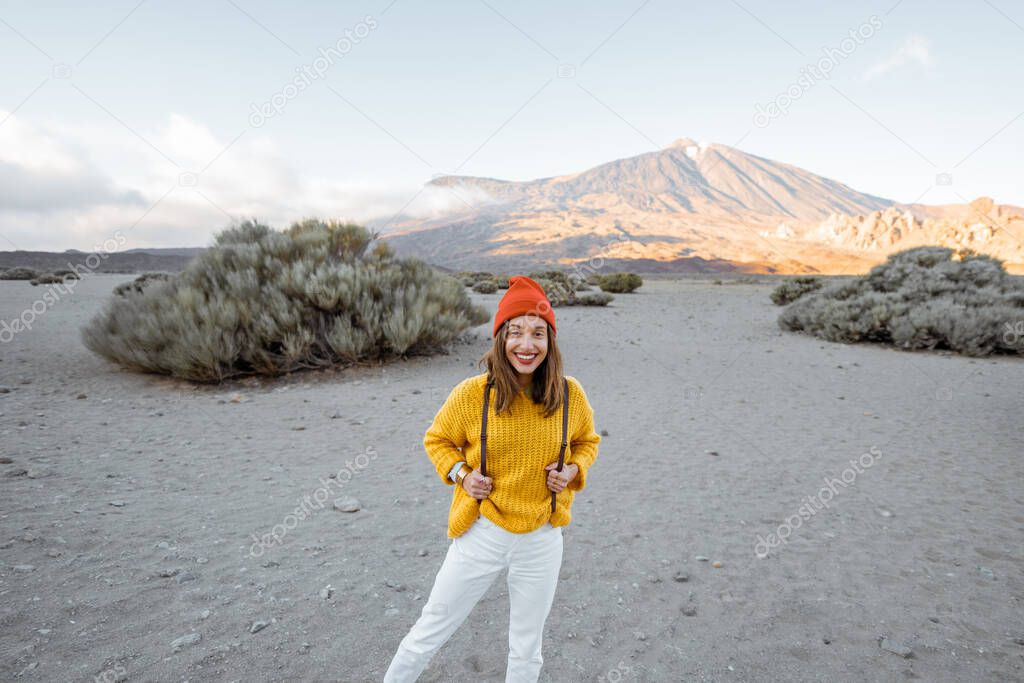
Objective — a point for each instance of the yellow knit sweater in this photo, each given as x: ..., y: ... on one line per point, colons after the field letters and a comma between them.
x: 518, y: 447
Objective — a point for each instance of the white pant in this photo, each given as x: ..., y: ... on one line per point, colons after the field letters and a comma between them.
x: 473, y: 561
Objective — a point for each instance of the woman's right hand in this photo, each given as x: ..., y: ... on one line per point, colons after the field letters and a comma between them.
x: 477, y: 485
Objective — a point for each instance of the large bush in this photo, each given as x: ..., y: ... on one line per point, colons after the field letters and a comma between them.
x: 921, y: 298
x: 270, y: 302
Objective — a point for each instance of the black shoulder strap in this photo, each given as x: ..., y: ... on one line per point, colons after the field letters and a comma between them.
x: 483, y: 429
x: 565, y: 431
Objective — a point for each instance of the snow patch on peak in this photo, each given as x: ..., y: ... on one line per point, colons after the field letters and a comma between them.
x: 692, y: 148
x: 695, y: 151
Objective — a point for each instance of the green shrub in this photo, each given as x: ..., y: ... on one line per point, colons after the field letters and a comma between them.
x: 555, y: 276
x: 594, y: 299
x: 794, y: 288
x: 140, y: 283
x: 559, y: 286
x: 57, y: 276
x: 920, y: 298
x: 67, y: 274
x: 46, y: 279
x: 561, y: 290
x: 486, y: 287
x: 620, y: 283
x: 20, y: 273
x: 261, y: 301
x: 469, y: 278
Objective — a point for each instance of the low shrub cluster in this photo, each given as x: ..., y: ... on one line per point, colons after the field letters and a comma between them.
x: 19, y: 273
x: 560, y: 287
x: 619, y: 283
x: 486, y: 287
x: 563, y: 290
x: 593, y: 299
x: 57, y: 276
x: 793, y: 288
x: 262, y: 301
x: 140, y: 283
x: 36, y: 277
x: 474, y: 277
x: 921, y: 298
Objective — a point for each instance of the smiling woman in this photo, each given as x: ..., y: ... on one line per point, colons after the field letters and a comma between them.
x: 526, y: 345
x: 516, y: 463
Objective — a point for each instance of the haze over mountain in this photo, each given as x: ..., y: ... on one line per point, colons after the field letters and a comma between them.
x: 690, y: 207
x: 687, y: 208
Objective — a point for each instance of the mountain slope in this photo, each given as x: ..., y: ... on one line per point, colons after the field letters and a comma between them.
x: 683, y: 208
x: 685, y: 177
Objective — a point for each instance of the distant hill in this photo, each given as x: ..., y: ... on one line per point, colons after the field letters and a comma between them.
x: 190, y: 252
x: 130, y: 261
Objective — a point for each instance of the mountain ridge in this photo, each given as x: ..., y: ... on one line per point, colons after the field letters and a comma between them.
x: 687, y: 201
x: 691, y: 177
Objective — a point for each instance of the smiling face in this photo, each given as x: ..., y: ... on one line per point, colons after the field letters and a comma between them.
x: 526, y: 344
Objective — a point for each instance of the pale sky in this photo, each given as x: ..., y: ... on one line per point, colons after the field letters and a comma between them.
x: 145, y: 117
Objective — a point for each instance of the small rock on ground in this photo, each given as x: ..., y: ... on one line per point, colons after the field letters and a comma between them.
x: 191, y: 639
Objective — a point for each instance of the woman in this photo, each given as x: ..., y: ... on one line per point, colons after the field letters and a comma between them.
x: 508, y: 508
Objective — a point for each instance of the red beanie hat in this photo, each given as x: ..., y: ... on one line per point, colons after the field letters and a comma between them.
x: 523, y: 296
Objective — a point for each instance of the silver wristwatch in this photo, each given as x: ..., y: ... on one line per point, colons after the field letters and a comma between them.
x: 455, y: 470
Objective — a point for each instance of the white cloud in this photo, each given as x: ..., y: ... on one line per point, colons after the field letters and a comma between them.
x: 64, y: 187
x: 40, y: 172
x: 914, y: 50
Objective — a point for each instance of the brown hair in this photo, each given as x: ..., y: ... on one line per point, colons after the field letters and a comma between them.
x: 547, y: 386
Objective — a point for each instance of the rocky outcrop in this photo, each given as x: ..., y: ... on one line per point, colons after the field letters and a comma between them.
x: 982, y: 225
x: 878, y: 230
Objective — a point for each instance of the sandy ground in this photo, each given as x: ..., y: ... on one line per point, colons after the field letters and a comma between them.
x: 134, y: 524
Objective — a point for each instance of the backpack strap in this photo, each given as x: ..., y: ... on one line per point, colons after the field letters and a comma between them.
x: 565, y: 431
x: 483, y: 429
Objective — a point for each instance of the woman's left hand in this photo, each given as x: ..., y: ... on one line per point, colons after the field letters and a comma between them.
x: 557, y: 481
